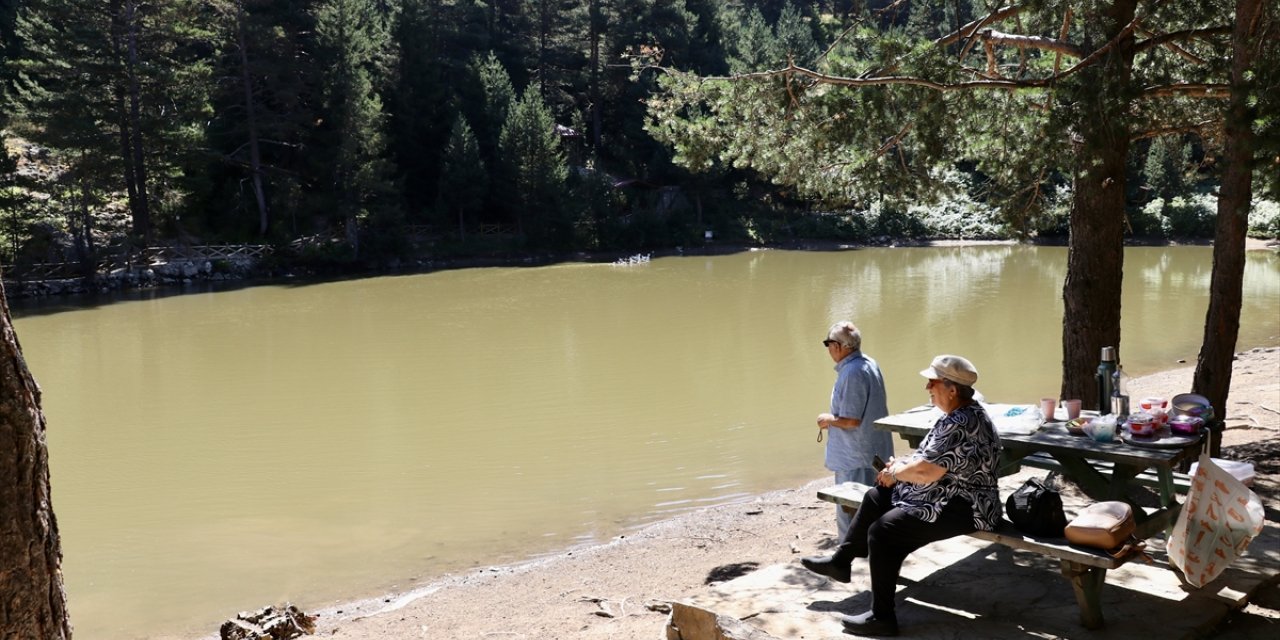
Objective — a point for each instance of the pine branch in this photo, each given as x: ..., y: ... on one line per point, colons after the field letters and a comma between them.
x: 1175, y: 36
x: 1198, y: 127
x: 993, y: 37
x: 1194, y: 89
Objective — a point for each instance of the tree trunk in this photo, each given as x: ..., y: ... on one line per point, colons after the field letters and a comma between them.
x: 34, y: 601
x: 1222, y: 321
x: 142, y: 212
x: 255, y: 156
x: 1095, y: 251
x: 593, y: 20
x: 121, y: 101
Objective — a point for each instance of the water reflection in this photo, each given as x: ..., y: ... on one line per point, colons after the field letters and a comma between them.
x: 217, y: 451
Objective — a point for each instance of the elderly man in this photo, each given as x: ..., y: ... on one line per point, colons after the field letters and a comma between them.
x: 857, y: 401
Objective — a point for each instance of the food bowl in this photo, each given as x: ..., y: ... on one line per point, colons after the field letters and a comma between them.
x: 1077, y: 427
x: 1142, y: 424
x: 1191, y: 404
x: 1186, y: 425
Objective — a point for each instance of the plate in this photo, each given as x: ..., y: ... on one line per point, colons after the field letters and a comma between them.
x: 1161, y: 440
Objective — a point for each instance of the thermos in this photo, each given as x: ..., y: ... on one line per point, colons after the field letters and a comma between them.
x: 1106, y: 369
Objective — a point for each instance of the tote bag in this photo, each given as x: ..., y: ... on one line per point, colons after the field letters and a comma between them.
x: 1220, y: 518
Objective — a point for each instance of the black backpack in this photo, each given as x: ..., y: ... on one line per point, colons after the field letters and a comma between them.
x: 1036, y: 508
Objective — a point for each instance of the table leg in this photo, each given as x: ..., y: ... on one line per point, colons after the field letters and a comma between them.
x: 1087, y: 582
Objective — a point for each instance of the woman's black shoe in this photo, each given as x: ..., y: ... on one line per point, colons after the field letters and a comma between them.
x: 827, y: 566
x: 868, y: 624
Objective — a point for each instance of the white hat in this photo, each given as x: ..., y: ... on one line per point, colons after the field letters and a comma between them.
x: 954, y: 368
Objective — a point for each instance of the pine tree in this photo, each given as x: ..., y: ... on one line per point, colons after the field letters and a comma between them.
x: 463, y: 178
x: 536, y: 165
x: 1165, y: 169
x: 121, y: 87
x: 350, y: 147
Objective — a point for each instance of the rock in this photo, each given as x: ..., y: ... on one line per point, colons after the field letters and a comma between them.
x: 271, y: 623
x: 689, y: 622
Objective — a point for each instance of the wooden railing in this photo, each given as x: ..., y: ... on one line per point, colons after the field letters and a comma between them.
x: 142, y: 258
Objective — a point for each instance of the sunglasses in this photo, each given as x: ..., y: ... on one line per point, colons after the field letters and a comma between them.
x: 828, y: 343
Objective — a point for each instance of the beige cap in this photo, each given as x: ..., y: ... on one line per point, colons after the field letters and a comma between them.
x: 954, y: 368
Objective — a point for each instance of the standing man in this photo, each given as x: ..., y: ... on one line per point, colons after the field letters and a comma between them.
x: 857, y: 401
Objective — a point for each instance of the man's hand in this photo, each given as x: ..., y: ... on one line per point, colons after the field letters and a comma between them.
x: 825, y: 420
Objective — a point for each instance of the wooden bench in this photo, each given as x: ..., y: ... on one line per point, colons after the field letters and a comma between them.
x: 1085, y: 567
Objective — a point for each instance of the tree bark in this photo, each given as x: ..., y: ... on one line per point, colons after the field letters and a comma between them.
x: 1095, y: 250
x: 1222, y: 320
x: 142, y: 210
x: 121, y: 102
x: 34, y: 601
x: 251, y: 122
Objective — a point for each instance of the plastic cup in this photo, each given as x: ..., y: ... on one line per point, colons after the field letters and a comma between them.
x: 1046, y: 407
x: 1073, y: 408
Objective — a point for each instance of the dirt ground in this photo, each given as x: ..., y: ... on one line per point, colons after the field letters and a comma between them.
x: 618, y: 590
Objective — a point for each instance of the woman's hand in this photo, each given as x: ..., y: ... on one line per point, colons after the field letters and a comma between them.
x: 885, y: 477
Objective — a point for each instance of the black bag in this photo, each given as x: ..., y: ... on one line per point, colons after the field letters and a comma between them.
x: 1036, y: 508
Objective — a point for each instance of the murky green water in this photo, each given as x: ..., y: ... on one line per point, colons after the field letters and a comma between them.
x: 217, y: 452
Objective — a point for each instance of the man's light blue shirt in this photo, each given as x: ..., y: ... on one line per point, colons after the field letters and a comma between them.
x: 858, y: 393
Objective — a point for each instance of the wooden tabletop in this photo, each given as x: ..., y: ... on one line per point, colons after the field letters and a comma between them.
x: 914, y: 424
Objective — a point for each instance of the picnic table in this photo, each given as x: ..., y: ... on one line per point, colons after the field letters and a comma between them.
x: 1103, y: 471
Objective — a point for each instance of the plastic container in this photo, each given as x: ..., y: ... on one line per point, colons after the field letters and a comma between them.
x: 1101, y: 429
x: 1242, y: 471
x: 1185, y: 424
x: 1142, y: 424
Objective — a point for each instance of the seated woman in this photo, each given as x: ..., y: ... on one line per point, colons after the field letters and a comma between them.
x: 946, y: 488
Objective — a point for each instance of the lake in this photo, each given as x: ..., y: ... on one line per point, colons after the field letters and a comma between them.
x: 315, y: 442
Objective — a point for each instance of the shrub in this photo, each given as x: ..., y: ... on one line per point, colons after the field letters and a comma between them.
x: 1264, y: 219
x: 1191, y: 216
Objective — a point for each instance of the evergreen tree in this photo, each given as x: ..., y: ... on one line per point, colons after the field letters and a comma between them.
x: 536, y: 166
x: 1166, y: 167
x: 436, y: 40
x: 264, y: 107
x: 121, y: 86
x: 349, y: 148
x: 752, y: 43
x: 463, y: 178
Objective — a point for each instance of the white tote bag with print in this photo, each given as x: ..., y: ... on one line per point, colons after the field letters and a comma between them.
x: 1220, y: 518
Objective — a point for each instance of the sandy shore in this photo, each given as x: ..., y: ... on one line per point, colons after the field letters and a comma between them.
x: 617, y: 590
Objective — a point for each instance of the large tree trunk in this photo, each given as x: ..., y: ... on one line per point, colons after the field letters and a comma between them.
x: 34, y: 602
x: 1222, y: 321
x: 1095, y: 252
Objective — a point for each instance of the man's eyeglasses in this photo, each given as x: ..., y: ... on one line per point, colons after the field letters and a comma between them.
x: 828, y: 343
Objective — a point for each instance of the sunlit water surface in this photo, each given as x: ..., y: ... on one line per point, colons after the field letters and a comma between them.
x: 217, y: 452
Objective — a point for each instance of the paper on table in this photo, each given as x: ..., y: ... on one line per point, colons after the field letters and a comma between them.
x: 1014, y: 419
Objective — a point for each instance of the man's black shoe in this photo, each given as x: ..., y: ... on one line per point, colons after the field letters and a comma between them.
x: 868, y: 624
x: 827, y: 566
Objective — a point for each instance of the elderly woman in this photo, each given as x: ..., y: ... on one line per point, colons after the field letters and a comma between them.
x: 946, y: 488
